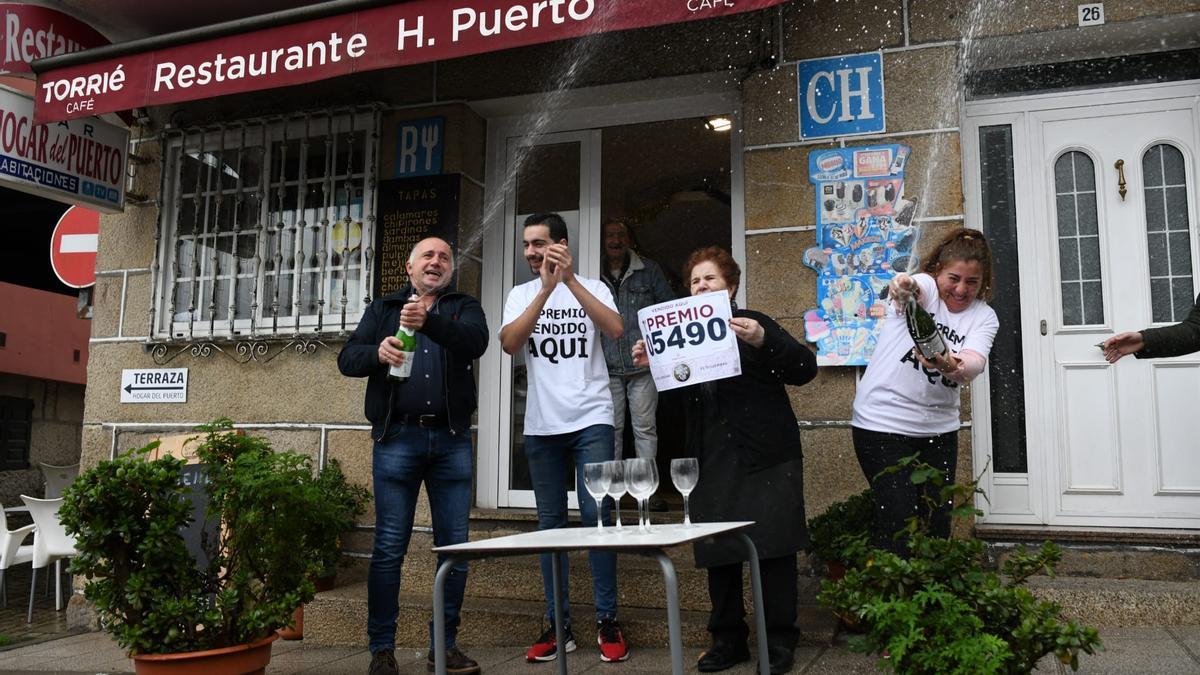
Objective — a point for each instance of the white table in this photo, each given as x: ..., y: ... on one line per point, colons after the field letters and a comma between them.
x: 627, y: 540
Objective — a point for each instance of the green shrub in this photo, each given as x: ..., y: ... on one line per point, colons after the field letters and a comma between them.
x: 348, y: 501
x: 126, y: 515
x: 842, y: 523
x: 938, y: 611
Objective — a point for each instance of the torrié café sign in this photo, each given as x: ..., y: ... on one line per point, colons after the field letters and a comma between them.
x: 384, y: 37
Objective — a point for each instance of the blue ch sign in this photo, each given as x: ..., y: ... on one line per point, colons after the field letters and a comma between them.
x: 419, y: 147
x: 841, y: 96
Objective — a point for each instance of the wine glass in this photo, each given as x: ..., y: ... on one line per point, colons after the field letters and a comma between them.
x: 653, y: 488
x: 596, y: 478
x: 640, y: 480
x: 685, y: 472
x: 628, y: 467
x: 616, y: 487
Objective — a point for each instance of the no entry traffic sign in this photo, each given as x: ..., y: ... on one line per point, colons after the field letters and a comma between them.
x: 73, y: 247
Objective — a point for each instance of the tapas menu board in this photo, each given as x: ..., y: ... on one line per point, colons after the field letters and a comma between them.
x: 411, y: 209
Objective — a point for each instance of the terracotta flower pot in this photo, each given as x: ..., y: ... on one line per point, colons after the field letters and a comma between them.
x: 325, y: 583
x: 836, y: 570
x: 297, y: 631
x: 251, y: 659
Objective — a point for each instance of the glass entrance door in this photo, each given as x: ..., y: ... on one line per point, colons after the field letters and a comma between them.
x: 551, y: 173
x: 670, y: 181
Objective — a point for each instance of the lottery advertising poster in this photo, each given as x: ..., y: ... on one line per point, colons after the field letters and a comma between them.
x: 865, y: 235
x: 689, y: 340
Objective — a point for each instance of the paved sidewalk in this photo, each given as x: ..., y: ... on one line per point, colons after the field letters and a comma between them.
x: 1171, y: 649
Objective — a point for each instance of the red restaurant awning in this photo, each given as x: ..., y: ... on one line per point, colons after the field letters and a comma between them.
x: 370, y: 39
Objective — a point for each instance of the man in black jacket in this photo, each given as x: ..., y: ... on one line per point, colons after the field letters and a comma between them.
x: 421, y: 428
x: 1152, y: 343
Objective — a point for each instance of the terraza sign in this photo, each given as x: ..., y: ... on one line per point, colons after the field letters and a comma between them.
x: 383, y: 37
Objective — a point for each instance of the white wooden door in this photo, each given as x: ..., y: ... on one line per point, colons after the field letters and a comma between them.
x: 1123, y: 447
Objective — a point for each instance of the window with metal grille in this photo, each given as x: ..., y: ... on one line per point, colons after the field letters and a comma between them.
x: 266, y: 227
x: 16, y: 427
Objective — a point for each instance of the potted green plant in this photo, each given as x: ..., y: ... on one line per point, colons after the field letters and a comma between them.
x: 347, y: 501
x: 127, y: 516
x: 938, y: 610
x: 842, y: 523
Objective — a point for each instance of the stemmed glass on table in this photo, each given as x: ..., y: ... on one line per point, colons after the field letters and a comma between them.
x: 641, y: 478
x: 685, y: 473
x: 596, y: 478
x: 616, y: 487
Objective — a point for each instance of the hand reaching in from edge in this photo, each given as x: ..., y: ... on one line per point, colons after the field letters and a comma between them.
x: 1118, y: 346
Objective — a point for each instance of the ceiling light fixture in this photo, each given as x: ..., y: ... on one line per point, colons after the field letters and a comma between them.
x: 718, y: 124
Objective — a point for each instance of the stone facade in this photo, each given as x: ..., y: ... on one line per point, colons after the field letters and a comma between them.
x: 301, y: 401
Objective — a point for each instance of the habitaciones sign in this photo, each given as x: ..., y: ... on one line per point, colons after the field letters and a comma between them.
x: 75, y: 162
x: 383, y: 37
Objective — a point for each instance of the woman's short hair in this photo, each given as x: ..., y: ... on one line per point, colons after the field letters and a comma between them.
x: 718, y: 256
x: 963, y: 245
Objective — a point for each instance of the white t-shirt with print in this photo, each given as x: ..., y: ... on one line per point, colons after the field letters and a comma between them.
x: 897, y: 394
x: 568, y: 377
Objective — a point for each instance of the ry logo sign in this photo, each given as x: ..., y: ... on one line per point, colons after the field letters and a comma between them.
x: 841, y: 96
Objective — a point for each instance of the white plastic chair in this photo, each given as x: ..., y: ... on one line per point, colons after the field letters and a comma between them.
x: 11, y: 551
x: 51, y: 544
x: 57, y: 478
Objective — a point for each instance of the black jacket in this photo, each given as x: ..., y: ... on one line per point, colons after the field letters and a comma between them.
x: 459, y: 327
x: 745, y: 433
x: 755, y: 405
x: 1182, y: 338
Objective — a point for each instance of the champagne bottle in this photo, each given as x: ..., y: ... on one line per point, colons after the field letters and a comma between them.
x: 408, y: 351
x: 923, y: 329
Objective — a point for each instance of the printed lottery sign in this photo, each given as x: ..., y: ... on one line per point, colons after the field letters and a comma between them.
x: 689, y: 340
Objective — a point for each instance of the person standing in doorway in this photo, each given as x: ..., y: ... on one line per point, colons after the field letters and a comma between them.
x: 907, y: 404
x: 422, y: 432
x: 568, y: 414
x: 635, y: 282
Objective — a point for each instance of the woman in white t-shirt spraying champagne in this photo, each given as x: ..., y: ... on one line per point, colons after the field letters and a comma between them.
x: 907, y: 403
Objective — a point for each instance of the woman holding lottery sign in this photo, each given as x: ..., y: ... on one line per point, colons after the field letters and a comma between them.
x: 744, y: 432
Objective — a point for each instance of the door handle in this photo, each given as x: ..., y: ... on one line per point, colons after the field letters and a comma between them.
x: 1120, y: 167
x: 1042, y: 325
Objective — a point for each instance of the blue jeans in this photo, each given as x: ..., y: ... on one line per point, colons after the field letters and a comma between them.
x: 547, y: 457
x: 638, y: 393
x: 401, y: 462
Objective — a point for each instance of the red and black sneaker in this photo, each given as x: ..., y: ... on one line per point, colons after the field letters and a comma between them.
x: 611, y: 641
x: 546, y: 647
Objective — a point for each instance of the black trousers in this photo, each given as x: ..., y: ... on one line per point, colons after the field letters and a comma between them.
x: 726, y: 621
x: 896, y: 498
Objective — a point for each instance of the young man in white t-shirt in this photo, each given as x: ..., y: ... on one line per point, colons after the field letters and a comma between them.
x: 568, y: 412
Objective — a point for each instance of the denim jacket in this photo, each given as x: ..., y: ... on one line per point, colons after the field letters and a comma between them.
x: 642, y: 285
